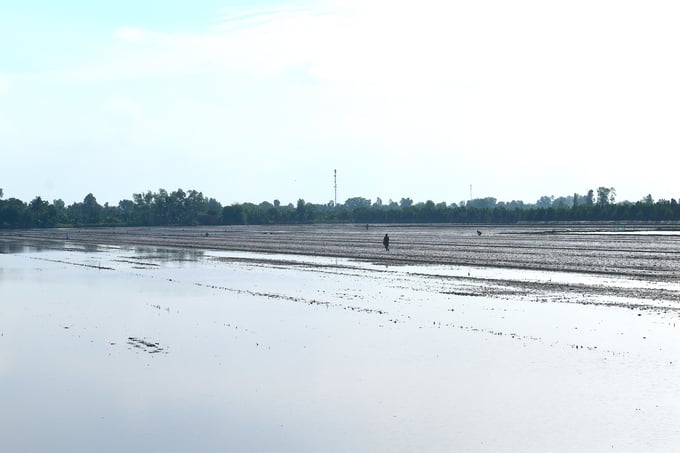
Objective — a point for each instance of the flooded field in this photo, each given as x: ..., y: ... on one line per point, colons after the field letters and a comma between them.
x: 317, y: 339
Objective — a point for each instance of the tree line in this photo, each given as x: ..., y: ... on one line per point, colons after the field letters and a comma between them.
x: 185, y: 208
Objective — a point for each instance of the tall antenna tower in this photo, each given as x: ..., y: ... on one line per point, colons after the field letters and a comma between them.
x: 335, y: 187
x: 470, y: 192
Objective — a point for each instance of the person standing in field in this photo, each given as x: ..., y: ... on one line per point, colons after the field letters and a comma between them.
x: 386, y: 242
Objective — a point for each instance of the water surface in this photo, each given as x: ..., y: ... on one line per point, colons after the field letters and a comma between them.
x: 148, y: 349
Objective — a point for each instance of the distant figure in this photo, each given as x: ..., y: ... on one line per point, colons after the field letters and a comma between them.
x: 367, y: 227
x: 386, y: 242
x: 479, y: 233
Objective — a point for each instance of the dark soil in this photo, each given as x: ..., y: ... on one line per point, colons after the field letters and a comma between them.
x: 588, y: 248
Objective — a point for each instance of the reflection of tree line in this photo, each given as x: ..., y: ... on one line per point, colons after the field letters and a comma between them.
x: 164, y: 254
x: 17, y: 247
x: 192, y: 208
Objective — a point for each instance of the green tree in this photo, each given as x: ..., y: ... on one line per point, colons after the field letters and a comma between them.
x: 12, y: 213
x: 605, y: 195
x: 301, y: 210
x: 545, y: 201
x: 357, y: 202
x: 40, y: 214
x: 212, y: 206
x: 590, y: 198
x: 405, y: 203
x: 91, y: 210
x: 234, y: 215
x: 482, y: 203
x: 60, y: 210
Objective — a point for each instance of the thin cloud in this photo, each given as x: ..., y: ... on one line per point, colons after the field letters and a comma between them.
x: 546, y: 93
x: 233, y: 19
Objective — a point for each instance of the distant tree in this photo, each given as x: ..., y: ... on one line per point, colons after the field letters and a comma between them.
x: 174, y: 204
x: 234, y: 215
x: 91, y: 210
x: 482, y: 203
x: 590, y: 198
x: 514, y: 204
x: 300, y: 210
x: 40, y: 214
x: 194, y: 205
x: 562, y: 202
x: 12, y: 213
x: 143, y: 214
x: 192, y: 208
x: 357, y: 202
x: 605, y: 195
x: 406, y: 203
x: 1, y: 193
x: 126, y: 212
x: 60, y: 210
x: 545, y: 201
x: 212, y: 206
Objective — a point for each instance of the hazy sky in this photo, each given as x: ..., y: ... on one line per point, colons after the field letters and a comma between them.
x: 254, y: 101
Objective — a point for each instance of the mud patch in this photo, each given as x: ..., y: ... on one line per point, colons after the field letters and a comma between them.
x: 145, y: 345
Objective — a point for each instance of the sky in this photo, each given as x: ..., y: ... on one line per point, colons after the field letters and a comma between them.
x: 251, y: 101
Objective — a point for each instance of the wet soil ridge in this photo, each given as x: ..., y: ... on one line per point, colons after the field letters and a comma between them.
x: 529, y: 338
x: 643, y: 298
x: 145, y: 345
x: 139, y: 264
x: 71, y: 263
x: 285, y: 297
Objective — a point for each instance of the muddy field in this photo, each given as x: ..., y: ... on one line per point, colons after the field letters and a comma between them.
x: 316, y: 339
x: 639, y: 252
x: 648, y: 251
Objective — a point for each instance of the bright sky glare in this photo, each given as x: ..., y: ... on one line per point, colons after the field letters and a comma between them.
x: 254, y: 101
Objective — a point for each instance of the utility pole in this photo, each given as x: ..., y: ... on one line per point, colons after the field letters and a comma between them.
x: 470, y: 192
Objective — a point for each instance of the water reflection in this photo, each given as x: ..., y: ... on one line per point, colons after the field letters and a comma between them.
x: 170, y: 254
x: 15, y: 247
x: 34, y: 246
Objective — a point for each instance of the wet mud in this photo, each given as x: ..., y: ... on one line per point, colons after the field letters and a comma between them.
x: 634, y: 251
x: 593, y: 248
x: 145, y: 345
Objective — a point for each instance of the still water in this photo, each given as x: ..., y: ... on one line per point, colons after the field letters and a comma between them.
x: 145, y: 349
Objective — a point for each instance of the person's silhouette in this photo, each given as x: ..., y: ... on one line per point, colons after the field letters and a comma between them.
x: 386, y: 242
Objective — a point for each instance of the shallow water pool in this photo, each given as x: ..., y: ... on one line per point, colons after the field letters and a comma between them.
x: 147, y: 349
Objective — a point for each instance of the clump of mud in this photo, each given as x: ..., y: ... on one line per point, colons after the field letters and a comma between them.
x: 145, y: 345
